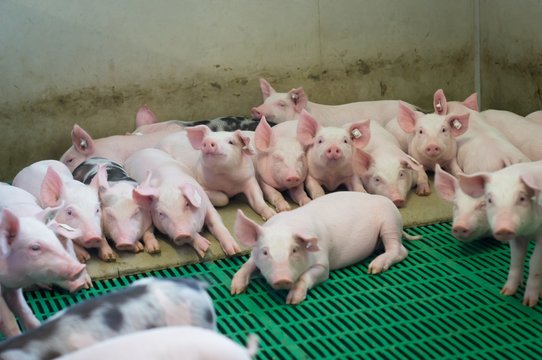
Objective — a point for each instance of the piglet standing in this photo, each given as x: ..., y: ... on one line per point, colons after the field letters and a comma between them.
x: 329, y: 154
x: 514, y: 213
x: 179, y: 205
x: 30, y: 254
x: 469, y: 213
x: 297, y: 249
x: 221, y: 162
x: 126, y: 216
x: 53, y: 184
x: 192, y: 342
x: 146, y: 304
x: 281, y: 163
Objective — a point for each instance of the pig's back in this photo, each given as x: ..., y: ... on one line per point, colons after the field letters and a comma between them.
x: 31, y: 177
x: 18, y: 201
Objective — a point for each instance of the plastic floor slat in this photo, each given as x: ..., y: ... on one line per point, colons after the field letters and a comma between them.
x: 441, y: 302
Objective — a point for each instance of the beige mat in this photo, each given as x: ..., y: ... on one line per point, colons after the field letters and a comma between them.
x: 418, y: 211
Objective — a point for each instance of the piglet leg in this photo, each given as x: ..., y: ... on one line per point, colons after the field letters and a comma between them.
x: 394, y: 251
x: 422, y: 187
x: 355, y: 184
x: 82, y: 254
x: 241, y: 278
x: 218, y: 198
x: 254, y: 196
x: 314, y: 188
x: 8, y: 323
x: 518, y: 251
x: 151, y: 243
x: 105, y: 252
x: 314, y: 275
x: 200, y: 244
x: 16, y: 302
x: 299, y: 195
x: 532, y: 289
x: 274, y: 197
x: 221, y: 233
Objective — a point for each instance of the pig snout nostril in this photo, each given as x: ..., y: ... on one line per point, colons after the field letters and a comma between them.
x: 460, y: 231
x: 292, y: 179
x: 255, y: 113
x: 504, y: 232
x: 399, y: 202
x: 282, y: 284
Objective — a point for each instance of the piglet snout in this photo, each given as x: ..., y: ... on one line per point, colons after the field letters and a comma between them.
x: 76, y: 270
x: 399, y: 202
x: 92, y: 242
x: 503, y: 233
x: 125, y: 246
x: 256, y: 114
x: 461, y: 232
x: 209, y: 147
x: 182, y: 238
x: 333, y: 152
x: 282, y: 284
x: 432, y: 150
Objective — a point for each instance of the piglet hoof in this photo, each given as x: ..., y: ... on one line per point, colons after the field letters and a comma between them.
x: 423, y: 189
x: 201, y: 245
x: 238, y: 284
x: 139, y: 247
x: 267, y: 213
x: 106, y: 254
x: 297, y: 294
x: 82, y: 255
x: 509, y: 289
x: 151, y: 243
x: 530, y: 298
x: 231, y: 249
x: 378, y: 265
x: 304, y: 201
x: 282, y: 206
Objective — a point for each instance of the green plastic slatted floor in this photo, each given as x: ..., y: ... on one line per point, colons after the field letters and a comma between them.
x: 441, y: 302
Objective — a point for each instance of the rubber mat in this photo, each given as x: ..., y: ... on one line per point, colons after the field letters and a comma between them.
x: 441, y: 302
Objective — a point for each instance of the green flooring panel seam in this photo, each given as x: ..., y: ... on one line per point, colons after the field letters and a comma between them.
x: 442, y: 302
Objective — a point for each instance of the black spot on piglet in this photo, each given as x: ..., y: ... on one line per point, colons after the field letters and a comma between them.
x: 113, y: 318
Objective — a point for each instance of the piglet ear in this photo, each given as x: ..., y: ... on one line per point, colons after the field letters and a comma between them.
x: 145, y: 116
x: 308, y: 242
x: 101, y: 179
x: 408, y: 162
x: 299, y: 98
x: 472, y: 102
x: 82, y: 141
x: 267, y: 89
x: 473, y: 185
x: 64, y: 230
x: 192, y: 194
x: 458, y: 124
x: 51, y: 188
x: 361, y: 162
x: 439, y: 102
x: 307, y: 128
x: 247, y: 148
x: 142, y: 198
x: 196, y: 134
x: 360, y: 132
x: 445, y: 184
x: 406, y: 117
x: 532, y: 186
x: 10, y: 226
x: 263, y: 135
x: 246, y: 230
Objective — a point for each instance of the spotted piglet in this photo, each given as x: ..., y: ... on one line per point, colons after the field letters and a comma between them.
x: 296, y: 250
x: 146, y: 304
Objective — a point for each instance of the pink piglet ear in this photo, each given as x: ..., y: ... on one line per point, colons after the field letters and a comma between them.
x: 307, y: 128
x: 439, y: 102
x: 192, y: 194
x: 361, y: 162
x: 51, y: 188
x: 246, y: 230
x: 406, y: 118
x: 9, y: 224
x: 64, y: 230
x: 299, y: 98
x: 445, y: 184
x: 360, y: 132
x: 145, y: 116
x: 308, y: 242
x: 82, y: 141
x: 247, y: 148
x: 266, y: 88
x: 473, y: 185
x: 532, y: 185
x: 196, y: 134
x: 459, y: 124
x: 472, y: 102
x: 263, y: 136
x: 101, y: 179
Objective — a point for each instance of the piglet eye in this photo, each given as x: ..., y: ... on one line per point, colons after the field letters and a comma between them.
x: 294, y: 250
x: 345, y: 141
x: 69, y: 212
x: 187, y: 204
x: 265, y: 252
x: 320, y: 141
x: 230, y: 142
x: 443, y: 130
x: 35, y: 247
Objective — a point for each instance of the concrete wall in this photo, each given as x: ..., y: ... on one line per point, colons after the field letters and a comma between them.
x: 512, y: 55
x: 95, y: 62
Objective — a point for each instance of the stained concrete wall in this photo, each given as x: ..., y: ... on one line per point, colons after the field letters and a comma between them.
x: 96, y: 62
x: 511, y: 40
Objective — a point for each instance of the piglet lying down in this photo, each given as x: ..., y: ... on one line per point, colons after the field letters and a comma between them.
x: 295, y: 250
